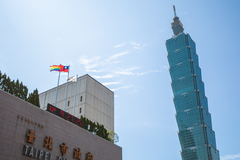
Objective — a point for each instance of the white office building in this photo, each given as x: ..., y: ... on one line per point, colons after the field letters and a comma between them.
x: 93, y: 100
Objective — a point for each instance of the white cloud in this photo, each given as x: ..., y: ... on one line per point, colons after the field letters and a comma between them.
x: 94, y: 70
x: 119, y: 45
x: 162, y: 30
x: 146, y: 124
x: 124, y: 87
x: 227, y: 157
x: 116, y: 62
x: 105, y: 76
x: 129, y: 72
x: 125, y: 73
x: 89, y: 63
x: 135, y: 44
x: 118, y: 55
x: 133, y: 68
x: 59, y: 39
x: 133, y: 91
x: 138, y: 45
x: 110, y: 83
x: 143, y: 73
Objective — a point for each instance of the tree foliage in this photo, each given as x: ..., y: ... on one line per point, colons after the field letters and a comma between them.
x: 17, y: 89
x: 114, y: 138
x: 34, y: 98
x: 95, y: 128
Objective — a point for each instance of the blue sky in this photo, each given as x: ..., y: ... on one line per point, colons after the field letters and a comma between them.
x: 122, y: 45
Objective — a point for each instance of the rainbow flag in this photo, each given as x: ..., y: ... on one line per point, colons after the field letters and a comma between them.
x: 59, y: 68
x: 55, y: 68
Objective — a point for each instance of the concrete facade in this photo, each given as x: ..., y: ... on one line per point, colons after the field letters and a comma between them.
x: 18, y: 117
x: 93, y: 100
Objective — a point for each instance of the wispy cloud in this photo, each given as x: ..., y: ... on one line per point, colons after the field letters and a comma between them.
x: 133, y: 91
x: 118, y: 55
x: 119, y: 45
x: 94, y: 70
x: 227, y: 157
x: 110, y: 83
x: 89, y: 63
x: 124, y: 87
x: 116, y: 62
x: 133, y: 68
x: 143, y: 73
x: 129, y: 71
x: 161, y: 30
x: 59, y: 39
x: 146, y: 124
x: 138, y: 45
x: 135, y: 45
x: 104, y: 76
x: 124, y: 72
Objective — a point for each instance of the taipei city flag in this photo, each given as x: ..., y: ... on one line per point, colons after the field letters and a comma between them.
x: 72, y: 79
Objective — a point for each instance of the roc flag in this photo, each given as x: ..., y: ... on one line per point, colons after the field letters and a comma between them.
x: 59, y: 68
x: 72, y: 79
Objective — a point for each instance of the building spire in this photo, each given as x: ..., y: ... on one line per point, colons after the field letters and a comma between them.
x: 174, y: 10
x: 177, y: 26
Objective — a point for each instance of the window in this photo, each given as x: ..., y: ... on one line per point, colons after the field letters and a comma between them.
x: 80, y: 110
x: 81, y: 99
x: 68, y: 103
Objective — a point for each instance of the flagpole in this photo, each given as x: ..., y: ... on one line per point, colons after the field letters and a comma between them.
x: 66, y: 90
x: 75, y: 97
x: 57, y: 88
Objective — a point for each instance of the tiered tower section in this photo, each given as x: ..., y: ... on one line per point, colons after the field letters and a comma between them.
x: 193, y: 118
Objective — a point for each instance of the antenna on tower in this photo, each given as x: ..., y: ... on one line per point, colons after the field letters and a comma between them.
x: 175, y: 15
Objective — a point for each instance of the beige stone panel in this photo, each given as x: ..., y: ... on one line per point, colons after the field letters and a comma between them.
x: 109, y: 111
x: 98, y: 105
x: 112, y: 101
x: 87, y: 110
x: 95, y: 89
x: 105, y: 109
x: 98, y: 117
x: 88, y: 98
x: 102, y: 107
x: 91, y: 100
x: 94, y: 114
x: 112, y: 124
x: 91, y: 112
x: 101, y: 118
x: 104, y: 119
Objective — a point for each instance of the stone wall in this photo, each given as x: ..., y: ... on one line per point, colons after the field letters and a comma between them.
x: 18, y: 118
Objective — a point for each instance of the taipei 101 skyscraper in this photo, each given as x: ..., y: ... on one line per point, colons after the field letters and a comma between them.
x: 196, y: 135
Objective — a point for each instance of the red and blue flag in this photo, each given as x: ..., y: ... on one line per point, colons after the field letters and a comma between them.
x: 59, y: 68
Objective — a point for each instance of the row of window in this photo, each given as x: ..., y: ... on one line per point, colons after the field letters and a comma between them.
x: 69, y: 101
x: 80, y: 110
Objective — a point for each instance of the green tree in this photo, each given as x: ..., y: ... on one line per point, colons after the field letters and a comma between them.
x: 34, y: 98
x: 18, y: 89
x: 95, y: 128
x: 114, y: 138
